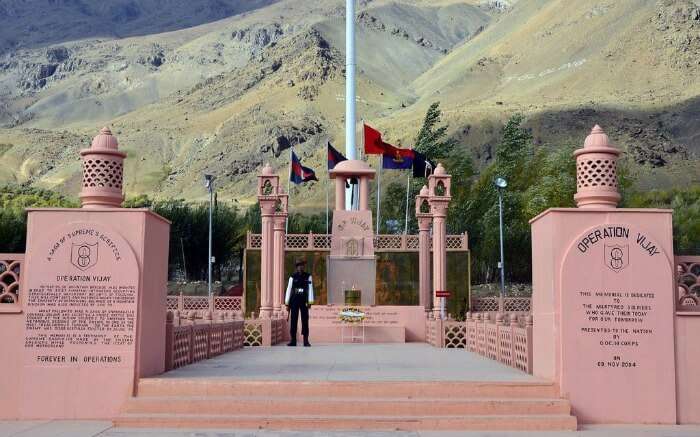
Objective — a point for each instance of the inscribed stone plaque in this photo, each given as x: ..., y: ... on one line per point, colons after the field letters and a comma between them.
x: 617, y: 326
x: 81, y: 299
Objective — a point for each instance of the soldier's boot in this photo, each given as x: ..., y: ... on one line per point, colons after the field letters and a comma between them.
x: 306, y: 341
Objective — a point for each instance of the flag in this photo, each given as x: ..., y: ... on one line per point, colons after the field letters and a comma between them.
x: 299, y: 173
x: 334, y: 157
x: 421, y: 166
x: 373, y: 142
x: 398, y: 159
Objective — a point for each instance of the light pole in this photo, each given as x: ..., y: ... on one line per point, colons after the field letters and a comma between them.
x: 501, y: 184
x: 209, y: 183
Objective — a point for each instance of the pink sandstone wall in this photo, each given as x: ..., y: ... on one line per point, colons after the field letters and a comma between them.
x: 91, y: 371
x: 634, y: 381
x: 687, y: 359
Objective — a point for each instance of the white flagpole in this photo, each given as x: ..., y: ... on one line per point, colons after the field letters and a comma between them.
x: 289, y: 193
x: 408, y: 188
x: 327, y: 184
x: 350, y: 124
x: 379, y: 192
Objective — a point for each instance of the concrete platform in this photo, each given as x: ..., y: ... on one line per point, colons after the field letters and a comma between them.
x: 104, y: 429
x: 411, y: 387
x: 354, y: 362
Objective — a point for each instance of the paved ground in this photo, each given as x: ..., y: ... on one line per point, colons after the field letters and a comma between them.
x: 104, y: 429
x: 357, y: 362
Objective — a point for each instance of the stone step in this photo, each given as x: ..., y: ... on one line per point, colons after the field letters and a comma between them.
x: 275, y: 406
x: 360, y: 422
x: 341, y: 389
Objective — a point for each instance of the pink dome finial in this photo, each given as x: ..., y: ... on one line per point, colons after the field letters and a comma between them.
x: 596, y: 172
x: 105, y: 140
x: 267, y: 170
x: 440, y: 170
x: 103, y: 172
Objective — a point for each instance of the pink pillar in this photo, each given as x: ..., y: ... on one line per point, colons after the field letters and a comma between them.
x: 278, y: 267
x: 364, y: 193
x: 424, y: 220
x: 268, y: 196
x: 279, y: 285
x: 439, y: 259
x: 439, y: 199
x: 266, y: 260
x: 339, y: 193
x: 424, y: 262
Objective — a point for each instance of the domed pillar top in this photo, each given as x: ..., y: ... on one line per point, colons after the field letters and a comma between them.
x: 103, y: 172
x: 354, y: 171
x: 596, y: 172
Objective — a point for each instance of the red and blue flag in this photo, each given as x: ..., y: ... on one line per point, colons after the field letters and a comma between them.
x: 398, y: 159
x: 334, y: 157
x: 299, y: 173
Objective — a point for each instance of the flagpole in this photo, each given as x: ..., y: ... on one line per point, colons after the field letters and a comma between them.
x: 289, y: 193
x: 327, y: 184
x: 379, y: 191
x: 408, y: 188
x: 350, y: 125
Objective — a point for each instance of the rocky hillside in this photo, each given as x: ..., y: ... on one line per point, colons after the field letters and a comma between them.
x: 223, y: 86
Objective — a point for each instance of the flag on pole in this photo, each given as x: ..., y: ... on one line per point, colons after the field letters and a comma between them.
x: 334, y: 157
x: 298, y: 173
x: 421, y: 166
x: 373, y: 142
x: 398, y: 159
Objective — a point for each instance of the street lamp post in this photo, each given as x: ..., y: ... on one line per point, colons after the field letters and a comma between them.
x: 501, y: 184
x: 209, y: 183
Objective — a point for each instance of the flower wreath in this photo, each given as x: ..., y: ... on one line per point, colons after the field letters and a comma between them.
x: 351, y: 315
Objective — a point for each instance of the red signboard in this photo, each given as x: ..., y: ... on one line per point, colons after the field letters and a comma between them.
x: 442, y: 293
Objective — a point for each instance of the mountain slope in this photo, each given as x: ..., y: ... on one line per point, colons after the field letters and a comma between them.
x: 228, y: 95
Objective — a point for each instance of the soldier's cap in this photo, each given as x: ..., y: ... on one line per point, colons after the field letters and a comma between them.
x: 300, y: 262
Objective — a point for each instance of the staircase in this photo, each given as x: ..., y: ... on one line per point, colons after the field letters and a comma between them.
x: 337, y: 405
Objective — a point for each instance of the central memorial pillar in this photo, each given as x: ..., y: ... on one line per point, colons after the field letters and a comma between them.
x: 351, y: 264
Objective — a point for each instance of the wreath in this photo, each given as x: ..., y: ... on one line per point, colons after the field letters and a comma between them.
x: 351, y: 315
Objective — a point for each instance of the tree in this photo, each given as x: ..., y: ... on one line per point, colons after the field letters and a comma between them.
x: 432, y: 140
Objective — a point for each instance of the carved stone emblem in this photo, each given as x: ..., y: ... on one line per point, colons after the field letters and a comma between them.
x: 616, y: 256
x: 83, y: 255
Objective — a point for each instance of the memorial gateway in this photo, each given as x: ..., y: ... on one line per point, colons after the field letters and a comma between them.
x: 88, y: 331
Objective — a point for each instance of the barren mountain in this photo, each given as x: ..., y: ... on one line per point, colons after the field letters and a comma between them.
x: 224, y: 86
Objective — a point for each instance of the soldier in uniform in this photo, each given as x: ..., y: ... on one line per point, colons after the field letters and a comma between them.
x: 298, y: 298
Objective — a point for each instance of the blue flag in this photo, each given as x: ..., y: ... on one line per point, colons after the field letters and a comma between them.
x: 299, y: 173
x: 334, y: 157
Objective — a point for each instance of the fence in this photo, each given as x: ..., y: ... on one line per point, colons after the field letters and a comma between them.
x: 382, y: 243
x: 188, y: 341
x: 201, y: 304
x: 688, y: 281
x: 264, y: 332
x: 10, y: 270
x: 510, y: 304
x: 503, y: 338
